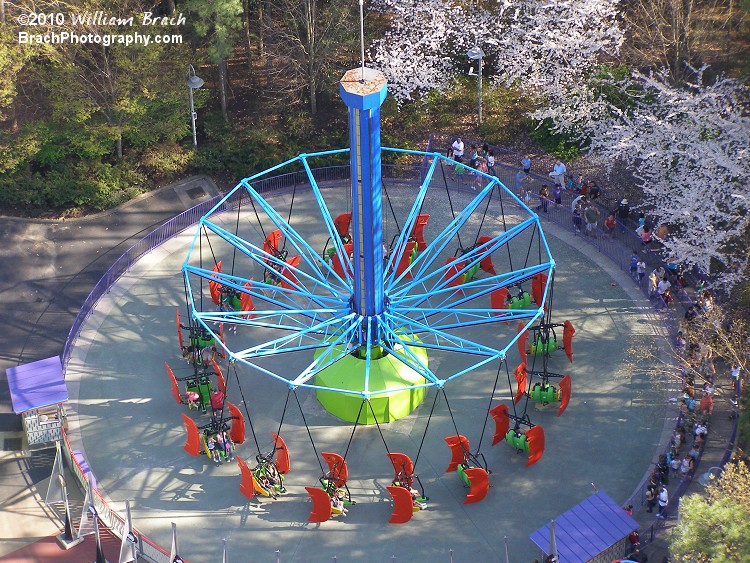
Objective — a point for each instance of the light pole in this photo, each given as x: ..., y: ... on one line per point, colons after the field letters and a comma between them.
x: 476, y: 54
x: 193, y: 83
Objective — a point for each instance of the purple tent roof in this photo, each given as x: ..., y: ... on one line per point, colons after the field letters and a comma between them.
x: 37, y: 384
x: 587, y: 529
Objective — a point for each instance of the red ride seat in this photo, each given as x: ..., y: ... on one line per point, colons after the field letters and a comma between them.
x: 417, y: 232
x: 402, y: 505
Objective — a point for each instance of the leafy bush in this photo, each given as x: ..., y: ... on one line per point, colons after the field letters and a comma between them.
x: 562, y: 146
x: 167, y: 160
x: 74, y: 185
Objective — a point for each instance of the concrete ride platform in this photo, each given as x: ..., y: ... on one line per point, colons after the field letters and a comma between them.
x: 124, y: 419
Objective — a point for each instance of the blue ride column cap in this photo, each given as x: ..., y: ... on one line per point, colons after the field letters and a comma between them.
x: 364, y: 94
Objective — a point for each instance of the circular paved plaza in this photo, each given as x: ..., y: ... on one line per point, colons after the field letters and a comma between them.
x: 125, y: 421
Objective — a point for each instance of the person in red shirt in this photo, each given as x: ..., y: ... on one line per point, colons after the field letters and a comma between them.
x: 610, y: 223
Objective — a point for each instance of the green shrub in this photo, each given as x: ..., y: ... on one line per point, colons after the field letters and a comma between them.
x: 743, y: 430
x: 167, y: 160
x: 561, y: 145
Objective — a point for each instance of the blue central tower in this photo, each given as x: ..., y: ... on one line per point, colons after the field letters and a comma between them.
x: 369, y: 373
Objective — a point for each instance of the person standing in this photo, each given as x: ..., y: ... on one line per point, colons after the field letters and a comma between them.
x: 526, y: 164
x: 558, y: 173
x: 458, y: 150
x: 543, y: 199
x: 623, y: 213
x: 557, y: 194
x: 634, y: 264
x: 591, y: 214
x: 650, y: 498
x: 581, y: 199
x: 474, y: 157
x: 663, y: 501
x: 641, y: 269
x: 520, y: 175
x: 491, y: 163
x: 609, y: 225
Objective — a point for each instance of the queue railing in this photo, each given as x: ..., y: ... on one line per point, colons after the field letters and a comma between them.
x: 616, y: 248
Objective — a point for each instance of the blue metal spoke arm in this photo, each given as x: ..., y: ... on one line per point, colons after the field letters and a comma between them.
x: 484, y: 287
x: 258, y: 286
x: 335, y: 349
x: 408, y: 326
x: 331, y: 228
x: 457, y: 318
x: 408, y: 358
x: 284, y: 307
x: 434, y: 249
x: 261, y: 257
x: 426, y: 258
x: 224, y: 203
x: 411, y: 219
x: 290, y: 320
x: 317, y: 333
x: 310, y: 256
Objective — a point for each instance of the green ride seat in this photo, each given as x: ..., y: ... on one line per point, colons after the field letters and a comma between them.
x: 461, y: 470
x: 471, y: 272
x: 518, y: 442
x: 545, y: 394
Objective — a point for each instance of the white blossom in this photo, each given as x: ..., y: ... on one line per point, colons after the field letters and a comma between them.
x: 545, y: 47
x: 690, y: 149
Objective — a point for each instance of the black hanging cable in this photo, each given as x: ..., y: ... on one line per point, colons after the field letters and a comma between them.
x: 283, y: 413
x: 505, y: 228
x: 450, y: 201
x: 533, y: 368
x: 551, y: 292
x: 187, y: 301
x: 200, y: 265
x: 227, y: 381
x: 260, y: 224
x: 247, y: 410
x: 210, y: 247
x: 531, y: 243
x: 236, y: 232
x: 450, y: 412
x: 289, y: 217
x: 322, y: 470
x: 390, y: 205
x: 492, y: 397
x: 419, y: 451
x: 484, y: 215
x: 375, y: 418
x: 510, y: 387
x: 355, y: 428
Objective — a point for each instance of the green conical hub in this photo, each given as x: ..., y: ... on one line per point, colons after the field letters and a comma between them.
x: 386, y: 372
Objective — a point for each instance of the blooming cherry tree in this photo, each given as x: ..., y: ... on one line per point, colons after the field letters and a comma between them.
x: 690, y: 149
x: 546, y: 47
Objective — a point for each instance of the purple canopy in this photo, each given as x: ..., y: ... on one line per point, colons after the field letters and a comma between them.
x: 38, y: 384
x: 587, y: 529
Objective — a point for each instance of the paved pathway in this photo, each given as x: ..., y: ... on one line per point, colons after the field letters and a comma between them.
x: 131, y: 432
x: 49, y: 267
x: 59, y: 263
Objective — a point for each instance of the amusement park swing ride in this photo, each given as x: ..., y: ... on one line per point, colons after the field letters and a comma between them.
x: 369, y: 310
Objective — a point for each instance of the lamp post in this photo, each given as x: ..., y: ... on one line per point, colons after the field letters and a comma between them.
x: 476, y: 54
x: 193, y: 83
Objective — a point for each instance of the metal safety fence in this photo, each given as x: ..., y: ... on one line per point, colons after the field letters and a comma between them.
x: 616, y: 246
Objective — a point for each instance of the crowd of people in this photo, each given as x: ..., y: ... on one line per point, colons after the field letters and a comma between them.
x: 481, y: 159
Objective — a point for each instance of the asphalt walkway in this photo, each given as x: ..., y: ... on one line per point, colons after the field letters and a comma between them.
x: 52, y: 267
x: 49, y: 268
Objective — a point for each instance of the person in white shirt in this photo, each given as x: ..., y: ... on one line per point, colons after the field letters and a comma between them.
x: 663, y: 287
x: 458, y: 150
x: 663, y: 501
x: 558, y: 173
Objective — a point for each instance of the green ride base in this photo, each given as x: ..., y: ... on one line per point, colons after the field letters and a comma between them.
x: 386, y: 372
